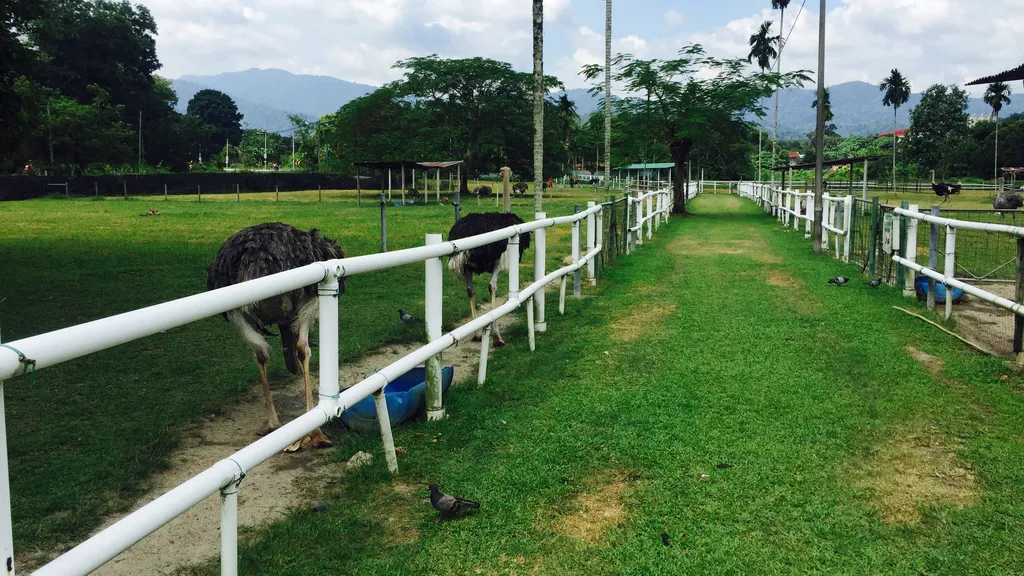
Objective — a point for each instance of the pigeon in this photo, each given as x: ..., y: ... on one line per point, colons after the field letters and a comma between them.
x: 664, y: 539
x: 875, y: 283
x: 839, y: 281
x: 449, y: 506
x: 407, y: 318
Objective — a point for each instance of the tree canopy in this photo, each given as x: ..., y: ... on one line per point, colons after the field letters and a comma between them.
x: 219, y: 111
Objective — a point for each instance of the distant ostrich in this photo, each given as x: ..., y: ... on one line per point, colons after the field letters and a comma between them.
x: 1007, y: 200
x: 492, y: 258
x: 482, y: 190
x: 262, y: 250
x: 520, y: 189
x: 945, y: 190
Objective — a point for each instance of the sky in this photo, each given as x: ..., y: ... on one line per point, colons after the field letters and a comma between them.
x: 930, y: 41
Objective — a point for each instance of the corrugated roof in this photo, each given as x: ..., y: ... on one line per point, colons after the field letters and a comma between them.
x: 810, y: 165
x: 1007, y: 76
x: 661, y: 166
x: 399, y: 164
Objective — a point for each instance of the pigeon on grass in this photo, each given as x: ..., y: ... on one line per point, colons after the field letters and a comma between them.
x: 407, y: 318
x: 875, y: 283
x: 450, y: 506
x: 839, y: 280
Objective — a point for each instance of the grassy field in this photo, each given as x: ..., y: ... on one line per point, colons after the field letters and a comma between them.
x: 718, y: 409
x: 90, y: 430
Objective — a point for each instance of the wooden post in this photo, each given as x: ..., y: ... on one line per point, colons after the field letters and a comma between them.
x: 1018, y: 320
x: 359, y: 190
x: 613, y: 231
x: 403, y: 182
x: 238, y: 195
x: 165, y: 192
x: 199, y: 192
x: 320, y: 192
x: 873, y: 254
x: 277, y: 195
x: 383, y: 225
x: 124, y: 183
x: 933, y: 257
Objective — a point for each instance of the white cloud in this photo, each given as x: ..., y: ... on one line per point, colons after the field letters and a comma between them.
x: 674, y: 19
x: 253, y: 15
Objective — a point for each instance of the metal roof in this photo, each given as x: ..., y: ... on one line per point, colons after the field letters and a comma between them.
x: 661, y: 166
x: 1007, y: 76
x: 399, y: 164
x: 808, y: 166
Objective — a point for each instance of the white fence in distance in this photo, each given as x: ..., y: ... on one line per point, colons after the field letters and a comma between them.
x: 796, y: 209
x: 39, y: 352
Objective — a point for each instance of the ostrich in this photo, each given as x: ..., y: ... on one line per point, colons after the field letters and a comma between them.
x: 482, y: 191
x: 262, y: 250
x: 945, y: 190
x: 1007, y: 200
x: 520, y: 189
x: 491, y: 258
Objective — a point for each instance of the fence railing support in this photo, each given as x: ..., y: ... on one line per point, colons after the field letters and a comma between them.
x: 911, y: 253
x: 600, y: 237
x: 873, y: 252
x: 433, y: 308
x: 539, y: 270
x: 383, y: 224
x: 591, y: 243
x: 1018, y: 321
x: 576, y: 280
x: 933, y: 256
x: 229, y: 530
x: 6, y: 522
x: 950, y: 267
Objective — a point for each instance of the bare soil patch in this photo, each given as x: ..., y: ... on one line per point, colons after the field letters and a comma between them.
x: 643, y: 318
x: 782, y: 278
x: 598, y: 508
x: 932, y: 364
x: 754, y: 246
x: 284, y: 482
x: 396, y: 502
x: 914, y: 470
x: 985, y: 323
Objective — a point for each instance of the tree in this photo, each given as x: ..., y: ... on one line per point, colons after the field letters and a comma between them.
x: 940, y: 130
x: 18, y: 61
x: 691, y: 100
x: 763, y: 49
x: 829, y: 116
x: 538, y: 105
x: 780, y: 5
x: 218, y: 110
x: 997, y: 95
x: 897, y: 93
x: 477, y: 100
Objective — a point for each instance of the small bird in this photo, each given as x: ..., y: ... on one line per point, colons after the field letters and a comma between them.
x: 875, y: 283
x: 407, y: 318
x: 449, y: 506
x: 839, y: 280
x: 664, y: 539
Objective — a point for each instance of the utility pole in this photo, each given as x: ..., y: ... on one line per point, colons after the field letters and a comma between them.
x: 140, y: 141
x: 264, y: 149
x: 820, y: 143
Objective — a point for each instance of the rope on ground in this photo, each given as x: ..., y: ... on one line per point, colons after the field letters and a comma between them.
x: 953, y: 334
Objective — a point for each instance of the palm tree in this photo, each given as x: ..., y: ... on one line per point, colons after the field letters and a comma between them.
x: 778, y: 5
x: 607, y: 97
x: 568, y: 118
x: 997, y: 95
x: 829, y: 116
x: 897, y: 93
x: 538, y: 104
x: 762, y: 49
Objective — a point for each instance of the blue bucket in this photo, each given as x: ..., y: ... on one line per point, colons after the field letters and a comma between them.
x: 406, y: 396
x: 921, y: 287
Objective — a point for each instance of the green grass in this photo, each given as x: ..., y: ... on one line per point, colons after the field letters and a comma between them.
x: 797, y: 385
x: 90, y: 430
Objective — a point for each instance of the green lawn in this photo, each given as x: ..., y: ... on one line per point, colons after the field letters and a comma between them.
x: 717, y: 392
x: 91, y: 429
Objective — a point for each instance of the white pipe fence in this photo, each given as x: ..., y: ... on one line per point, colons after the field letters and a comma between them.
x: 913, y: 216
x: 226, y: 476
x: 797, y: 208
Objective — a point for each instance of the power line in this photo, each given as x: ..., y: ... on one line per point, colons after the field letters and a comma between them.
x: 797, y: 19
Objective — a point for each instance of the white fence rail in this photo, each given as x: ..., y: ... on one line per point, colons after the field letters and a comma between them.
x: 44, y: 350
x: 796, y: 209
x: 947, y: 276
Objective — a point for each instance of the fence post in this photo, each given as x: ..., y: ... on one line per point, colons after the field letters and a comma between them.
x: 600, y: 238
x: 639, y: 224
x: 229, y: 529
x: 591, y: 244
x: 650, y: 216
x: 627, y: 233
x: 848, y: 226
x: 613, y: 231
x: 319, y: 192
x: 383, y: 225
x: 950, y: 267
x: 576, y: 254
x: 872, y: 255
x: 901, y: 230
x: 432, y: 316
x: 199, y: 192
x: 238, y: 196
x: 561, y: 296
x: 933, y: 257
x: 796, y: 213
x: 539, y: 271
x: 124, y: 183
x: 6, y: 522
x: 359, y: 190
x: 1018, y: 320
x: 911, y: 251
x: 96, y: 189
x: 827, y: 217
x: 277, y: 194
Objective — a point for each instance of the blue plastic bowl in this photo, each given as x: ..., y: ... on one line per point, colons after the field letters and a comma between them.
x: 406, y: 396
x: 921, y: 286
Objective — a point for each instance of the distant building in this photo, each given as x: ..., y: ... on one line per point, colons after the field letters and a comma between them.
x: 795, y: 158
x: 901, y: 133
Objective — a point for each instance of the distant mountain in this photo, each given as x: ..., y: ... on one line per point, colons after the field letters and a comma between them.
x: 302, y: 93
x: 585, y: 103
x: 858, y: 110
x: 256, y: 115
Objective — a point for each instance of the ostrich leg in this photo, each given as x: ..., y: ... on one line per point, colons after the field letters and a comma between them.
x: 472, y: 302
x: 492, y: 287
x: 317, y: 437
x: 272, y: 422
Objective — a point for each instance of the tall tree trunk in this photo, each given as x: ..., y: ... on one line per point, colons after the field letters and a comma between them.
x: 895, y: 142
x: 775, y: 130
x: 680, y: 151
x: 760, y: 134
x: 607, y: 98
x: 820, y: 144
x: 995, y: 168
x: 538, y: 105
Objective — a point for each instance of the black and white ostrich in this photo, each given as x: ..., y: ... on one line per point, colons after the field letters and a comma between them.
x: 491, y: 258
x: 945, y: 190
x: 262, y: 250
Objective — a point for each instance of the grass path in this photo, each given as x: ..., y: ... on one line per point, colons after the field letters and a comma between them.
x: 718, y: 409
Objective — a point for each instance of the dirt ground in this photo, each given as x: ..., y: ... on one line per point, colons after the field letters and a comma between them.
x: 984, y: 323
x: 284, y: 482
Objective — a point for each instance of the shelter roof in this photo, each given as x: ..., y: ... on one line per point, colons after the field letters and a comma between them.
x: 399, y: 164
x: 1007, y: 76
x: 661, y: 166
